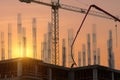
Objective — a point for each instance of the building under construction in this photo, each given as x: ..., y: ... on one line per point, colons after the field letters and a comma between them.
x: 32, y: 69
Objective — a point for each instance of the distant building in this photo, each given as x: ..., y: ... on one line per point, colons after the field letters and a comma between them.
x: 32, y: 69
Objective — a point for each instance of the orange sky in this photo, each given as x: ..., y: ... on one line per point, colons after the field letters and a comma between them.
x: 10, y: 8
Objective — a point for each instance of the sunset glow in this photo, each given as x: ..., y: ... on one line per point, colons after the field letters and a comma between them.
x: 18, y: 53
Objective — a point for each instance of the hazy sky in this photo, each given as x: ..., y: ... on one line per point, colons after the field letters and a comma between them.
x: 10, y: 8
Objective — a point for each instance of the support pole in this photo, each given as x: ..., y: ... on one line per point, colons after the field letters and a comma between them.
x: 50, y: 74
x: 95, y: 74
x: 113, y: 78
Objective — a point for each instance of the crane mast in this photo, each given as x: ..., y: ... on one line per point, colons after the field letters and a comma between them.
x: 55, y: 32
x: 55, y: 5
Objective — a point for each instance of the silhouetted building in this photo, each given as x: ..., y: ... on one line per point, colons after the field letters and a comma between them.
x: 32, y: 69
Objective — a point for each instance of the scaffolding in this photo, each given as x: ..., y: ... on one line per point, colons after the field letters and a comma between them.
x: 9, y: 41
x: 70, y: 40
x: 89, y: 49
x: 2, y: 46
x: 110, y: 51
x: 34, y: 24
x: 63, y: 53
x: 98, y: 52
x: 79, y: 59
x: 94, y: 41
x: 24, y: 41
x: 50, y: 42
x: 84, y: 54
x: 19, y: 31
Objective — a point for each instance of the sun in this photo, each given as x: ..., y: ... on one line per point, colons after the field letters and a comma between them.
x: 22, y: 52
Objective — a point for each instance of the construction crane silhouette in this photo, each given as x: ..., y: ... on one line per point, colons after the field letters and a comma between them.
x: 55, y: 6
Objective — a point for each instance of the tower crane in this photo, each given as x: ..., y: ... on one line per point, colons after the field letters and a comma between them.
x: 55, y: 6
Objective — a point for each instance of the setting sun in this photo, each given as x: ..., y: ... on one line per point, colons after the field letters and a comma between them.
x: 17, y: 52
